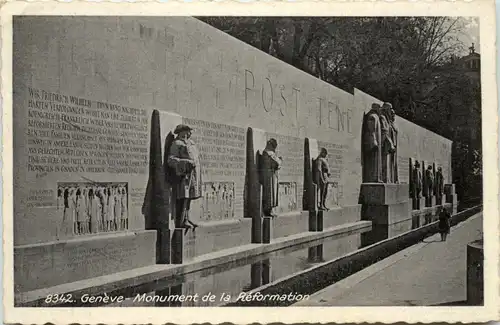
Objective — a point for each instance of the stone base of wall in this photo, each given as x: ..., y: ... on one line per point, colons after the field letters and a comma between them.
x: 343, y: 215
x: 218, y: 235
x: 387, y: 214
x: 475, y: 273
x: 297, y: 222
x: 49, y: 264
x: 290, y: 224
x: 383, y: 194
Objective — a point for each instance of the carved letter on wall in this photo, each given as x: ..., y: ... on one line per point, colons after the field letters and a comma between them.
x: 247, y: 72
x: 267, y: 109
x: 282, y: 88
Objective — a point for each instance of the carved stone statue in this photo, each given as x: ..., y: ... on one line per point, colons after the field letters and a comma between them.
x: 184, y: 160
x: 388, y: 148
x: 429, y: 182
x: 269, y: 164
x: 394, y: 136
x: 321, y: 174
x: 416, y: 185
x: 371, y: 146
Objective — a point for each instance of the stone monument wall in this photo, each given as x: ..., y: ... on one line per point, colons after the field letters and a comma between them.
x: 84, y: 91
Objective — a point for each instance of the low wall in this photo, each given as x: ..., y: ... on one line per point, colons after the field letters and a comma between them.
x: 325, y: 274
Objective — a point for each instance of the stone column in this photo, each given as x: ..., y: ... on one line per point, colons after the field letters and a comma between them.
x: 310, y: 197
x: 256, y: 142
x: 157, y: 203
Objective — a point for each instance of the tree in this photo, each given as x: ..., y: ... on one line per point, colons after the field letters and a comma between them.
x: 408, y: 61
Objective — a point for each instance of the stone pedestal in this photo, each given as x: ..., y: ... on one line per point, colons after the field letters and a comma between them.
x: 430, y: 201
x: 164, y: 242
x: 310, y: 195
x: 267, y: 230
x: 315, y: 217
x: 182, y: 248
x: 385, y: 204
x: 475, y: 273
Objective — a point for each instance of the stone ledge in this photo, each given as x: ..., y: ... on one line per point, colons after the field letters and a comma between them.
x: 108, y: 283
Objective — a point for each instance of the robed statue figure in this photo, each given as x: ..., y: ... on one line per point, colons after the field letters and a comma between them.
x: 371, y: 146
x: 439, y: 189
x: 394, y: 136
x: 429, y: 182
x: 269, y: 164
x: 184, y: 160
x: 388, y: 149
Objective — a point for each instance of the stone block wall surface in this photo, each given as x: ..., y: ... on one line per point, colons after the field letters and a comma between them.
x: 85, y: 88
x: 74, y: 260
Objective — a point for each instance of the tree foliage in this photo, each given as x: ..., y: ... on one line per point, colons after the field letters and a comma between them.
x: 408, y: 61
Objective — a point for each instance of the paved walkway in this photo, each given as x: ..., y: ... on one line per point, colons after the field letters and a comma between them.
x: 429, y: 273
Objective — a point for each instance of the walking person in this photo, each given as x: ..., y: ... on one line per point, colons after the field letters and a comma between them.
x: 444, y: 222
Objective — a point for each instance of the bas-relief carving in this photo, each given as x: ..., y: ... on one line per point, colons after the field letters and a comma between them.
x: 287, y: 193
x: 90, y: 140
x: 218, y: 201
x: 416, y: 181
x: 92, y: 207
x: 336, y: 156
